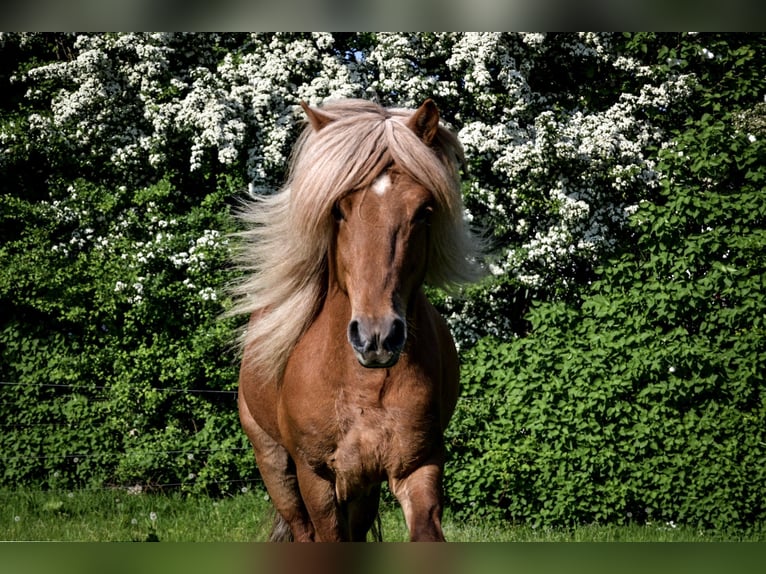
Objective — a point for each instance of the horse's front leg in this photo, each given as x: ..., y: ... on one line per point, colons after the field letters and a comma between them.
x: 318, y: 493
x: 278, y: 473
x: 420, y: 494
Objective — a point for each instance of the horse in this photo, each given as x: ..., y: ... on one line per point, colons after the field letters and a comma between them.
x: 349, y: 375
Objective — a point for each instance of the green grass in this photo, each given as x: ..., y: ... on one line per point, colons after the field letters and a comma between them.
x: 111, y: 516
x: 115, y: 515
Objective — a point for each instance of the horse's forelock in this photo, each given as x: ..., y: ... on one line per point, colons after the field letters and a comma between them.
x: 350, y: 152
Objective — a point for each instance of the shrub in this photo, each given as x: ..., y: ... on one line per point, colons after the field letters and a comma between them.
x: 113, y: 371
x: 647, y: 401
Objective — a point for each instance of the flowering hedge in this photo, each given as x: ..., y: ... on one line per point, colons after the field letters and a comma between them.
x: 646, y: 402
x: 124, y: 153
x: 559, y: 161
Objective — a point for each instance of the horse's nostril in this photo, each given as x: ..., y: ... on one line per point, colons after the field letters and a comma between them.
x: 354, y: 337
x: 397, y: 336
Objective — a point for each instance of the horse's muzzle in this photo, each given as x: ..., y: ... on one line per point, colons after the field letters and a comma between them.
x: 377, y: 343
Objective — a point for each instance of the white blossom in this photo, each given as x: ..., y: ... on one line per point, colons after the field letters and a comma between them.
x: 557, y: 183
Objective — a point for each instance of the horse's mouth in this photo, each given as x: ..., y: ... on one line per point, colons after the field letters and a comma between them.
x: 378, y: 359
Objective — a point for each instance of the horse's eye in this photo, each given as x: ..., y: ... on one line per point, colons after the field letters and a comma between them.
x: 423, y: 214
x: 337, y: 212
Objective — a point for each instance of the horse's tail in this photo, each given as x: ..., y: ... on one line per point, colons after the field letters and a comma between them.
x: 280, y: 530
x: 377, y: 529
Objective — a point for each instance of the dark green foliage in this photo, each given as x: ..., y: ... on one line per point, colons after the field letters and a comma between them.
x: 646, y: 402
x: 114, y: 368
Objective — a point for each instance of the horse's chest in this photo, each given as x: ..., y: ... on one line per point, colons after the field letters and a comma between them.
x: 374, y: 445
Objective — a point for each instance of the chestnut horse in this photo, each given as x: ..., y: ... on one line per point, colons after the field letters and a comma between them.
x: 349, y: 376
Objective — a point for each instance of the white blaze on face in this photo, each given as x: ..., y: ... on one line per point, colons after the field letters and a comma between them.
x: 381, y: 184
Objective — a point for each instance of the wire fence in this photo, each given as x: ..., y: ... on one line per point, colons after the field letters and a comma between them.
x: 105, y: 388
x: 76, y: 457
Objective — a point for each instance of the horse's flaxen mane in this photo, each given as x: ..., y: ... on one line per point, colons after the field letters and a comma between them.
x: 284, y: 251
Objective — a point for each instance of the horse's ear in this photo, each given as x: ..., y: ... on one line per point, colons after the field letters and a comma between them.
x: 425, y: 121
x: 317, y: 119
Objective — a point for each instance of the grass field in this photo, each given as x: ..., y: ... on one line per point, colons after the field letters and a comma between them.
x: 112, y: 516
